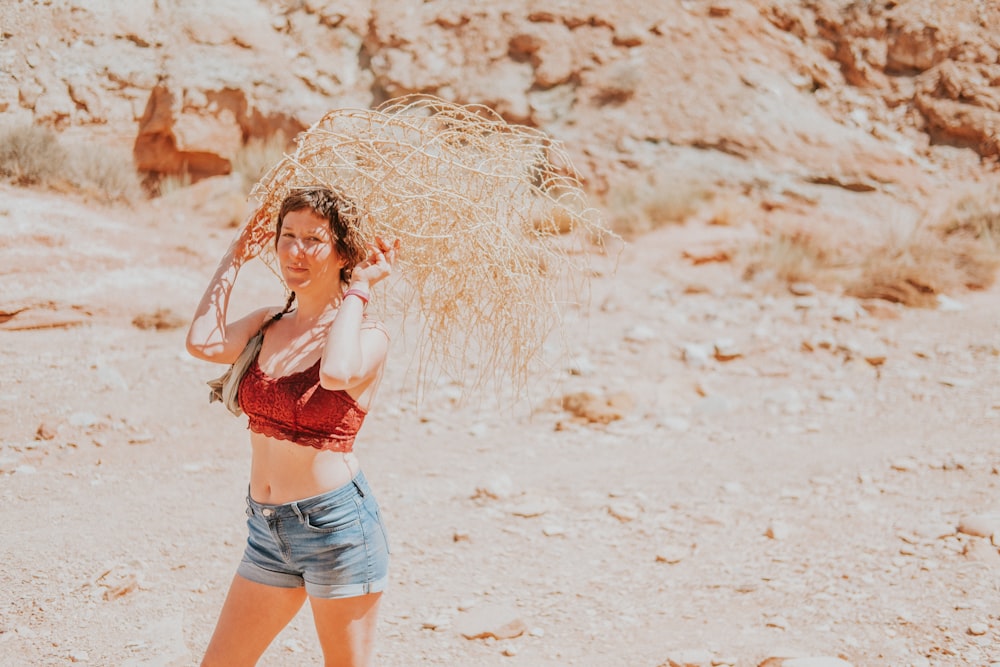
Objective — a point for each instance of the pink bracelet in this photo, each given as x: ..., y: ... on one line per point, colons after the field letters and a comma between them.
x: 358, y: 293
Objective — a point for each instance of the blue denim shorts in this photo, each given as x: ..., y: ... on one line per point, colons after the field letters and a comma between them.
x: 334, y: 544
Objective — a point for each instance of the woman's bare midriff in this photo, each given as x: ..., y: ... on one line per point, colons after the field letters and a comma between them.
x: 282, y: 471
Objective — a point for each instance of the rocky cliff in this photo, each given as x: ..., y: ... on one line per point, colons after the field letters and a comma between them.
x: 771, y: 104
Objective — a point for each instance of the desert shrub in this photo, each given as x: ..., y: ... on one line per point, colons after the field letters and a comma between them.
x: 975, y: 216
x: 30, y: 155
x: 103, y: 170
x: 957, y: 248
x: 171, y: 183
x: 794, y: 254
x: 904, y: 260
x: 620, y: 83
x: 257, y: 156
x: 640, y: 205
x: 930, y: 265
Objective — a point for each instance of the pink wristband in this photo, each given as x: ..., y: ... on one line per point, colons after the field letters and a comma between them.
x: 358, y: 293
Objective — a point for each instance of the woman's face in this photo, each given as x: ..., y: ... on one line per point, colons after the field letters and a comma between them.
x: 307, y: 252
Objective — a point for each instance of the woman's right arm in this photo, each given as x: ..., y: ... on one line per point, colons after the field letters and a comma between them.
x: 210, y: 337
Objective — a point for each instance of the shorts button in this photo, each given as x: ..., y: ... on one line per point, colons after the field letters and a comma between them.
x: 267, y: 512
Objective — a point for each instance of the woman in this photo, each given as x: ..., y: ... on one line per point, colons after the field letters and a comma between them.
x: 315, y: 530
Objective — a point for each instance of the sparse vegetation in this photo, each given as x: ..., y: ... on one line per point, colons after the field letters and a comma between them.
x: 958, y: 250
x: 638, y: 206
x: 794, y: 255
x: 910, y: 263
x: 171, y: 183
x: 257, y: 156
x: 32, y: 155
x: 104, y: 171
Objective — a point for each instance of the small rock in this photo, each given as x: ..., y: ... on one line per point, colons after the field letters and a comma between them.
x: 581, y: 366
x: 957, y: 383
x: 83, y: 419
x: 491, y: 620
x: 779, y: 622
x: 624, y: 511
x: 45, y: 432
x: 905, y: 465
x: 597, y: 410
x: 499, y: 487
x: 981, y: 551
x: 436, y: 623
x: 778, y: 530
x: 978, y: 629
x: 676, y: 424
x: 690, y: 658
x: 806, y: 303
x: 838, y: 394
x: 848, y: 312
x: 532, y: 507
x: 671, y: 554
x: 980, y: 525
x: 725, y: 350
x: 947, y: 304
x: 640, y: 334
x: 802, y: 289
x: 696, y: 355
x: 111, y: 378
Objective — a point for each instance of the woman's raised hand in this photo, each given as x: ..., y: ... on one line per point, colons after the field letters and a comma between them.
x: 378, y: 264
x: 245, y: 246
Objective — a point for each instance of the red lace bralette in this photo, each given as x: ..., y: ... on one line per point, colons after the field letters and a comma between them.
x: 295, y: 407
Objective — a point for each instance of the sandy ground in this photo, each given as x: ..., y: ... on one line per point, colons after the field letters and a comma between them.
x: 802, y: 497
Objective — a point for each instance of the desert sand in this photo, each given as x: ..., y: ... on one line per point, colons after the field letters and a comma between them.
x: 779, y: 474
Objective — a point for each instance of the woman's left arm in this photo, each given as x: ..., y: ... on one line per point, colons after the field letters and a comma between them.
x: 354, y: 354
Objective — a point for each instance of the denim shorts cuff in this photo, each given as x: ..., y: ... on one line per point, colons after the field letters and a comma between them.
x: 260, y: 575
x: 330, y: 591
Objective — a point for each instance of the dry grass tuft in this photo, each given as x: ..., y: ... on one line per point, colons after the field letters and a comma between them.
x: 639, y: 205
x: 170, y: 183
x: 794, y: 255
x: 480, y: 206
x: 104, y: 171
x: 954, y: 249
x: 32, y: 155
x: 258, y: 155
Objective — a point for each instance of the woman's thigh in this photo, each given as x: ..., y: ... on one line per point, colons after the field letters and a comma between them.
x: 346, y: 628
x: 252, y: 616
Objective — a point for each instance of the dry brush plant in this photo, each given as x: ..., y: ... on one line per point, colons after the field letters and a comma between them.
x: 30, y: 154
x: 906, y: 260
x: 480, y: 207
x: 644, y: 202
x: 33, y: 155
x: 952, y: 248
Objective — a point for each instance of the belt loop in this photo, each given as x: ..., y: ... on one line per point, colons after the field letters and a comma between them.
x: 298, y: 512
x: 358, y: 487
